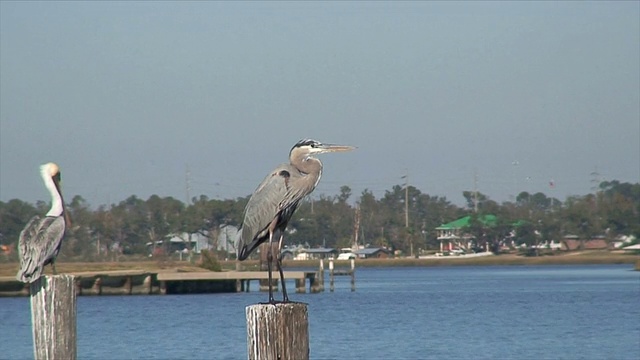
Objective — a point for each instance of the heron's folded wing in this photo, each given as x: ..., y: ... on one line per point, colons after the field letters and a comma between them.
x: 263, y: 206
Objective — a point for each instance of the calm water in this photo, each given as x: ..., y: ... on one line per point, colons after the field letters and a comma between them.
x: 524, y: 312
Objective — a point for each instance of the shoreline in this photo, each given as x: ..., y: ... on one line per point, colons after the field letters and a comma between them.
x: 491, y: 260
x: 574, y: 258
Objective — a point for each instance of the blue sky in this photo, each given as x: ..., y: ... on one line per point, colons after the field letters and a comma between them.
x: 126, y: 96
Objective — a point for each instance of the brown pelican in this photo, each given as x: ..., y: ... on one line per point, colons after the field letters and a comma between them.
x: 40, y: 240
x: 275, y: 200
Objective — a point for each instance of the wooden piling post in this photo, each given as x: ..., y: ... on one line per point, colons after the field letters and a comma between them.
x: 97, y: 286
x: 78, y: 285
x: 53, y: 317
x: 331, y: 275
x: 279, y: 331
x: 353, y: 275
x: 128, y: 285
x: 148, y: 284
x: 321, y: 275
x: 316, y: 285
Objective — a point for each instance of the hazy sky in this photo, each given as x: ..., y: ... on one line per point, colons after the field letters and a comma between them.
x: 126, y: 96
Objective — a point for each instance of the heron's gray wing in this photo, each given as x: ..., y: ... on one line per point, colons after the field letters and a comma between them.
x: 39, y: 243
x: 263, y: 206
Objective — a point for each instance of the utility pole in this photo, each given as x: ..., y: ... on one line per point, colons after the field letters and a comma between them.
x: 406, y: 200
x: 475, y: 192
x: 595, y: 185
x: 187, y: 187
x: 356, y: 229
x: 406, y: 210
x: 595, y: 180
x: 187, y: 190
x: 515, y: 164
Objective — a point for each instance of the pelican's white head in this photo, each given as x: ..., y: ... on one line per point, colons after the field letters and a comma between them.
x: 50, y: 173
x: 50, y: 169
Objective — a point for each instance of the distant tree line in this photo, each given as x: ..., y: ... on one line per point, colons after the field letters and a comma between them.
x: 331, y: 221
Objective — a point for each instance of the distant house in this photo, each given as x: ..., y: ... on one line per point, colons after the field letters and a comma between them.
x: 179, y: 242
x: 369, y: 253
x: 573, y: 242
x: 632, y: 248
x: 318, y: 253
x: 287, y: 254
x: 623, y: 240
x: 454, y: 234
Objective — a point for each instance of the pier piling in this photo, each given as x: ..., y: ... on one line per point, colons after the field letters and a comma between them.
x: 53, y: 317
x: 331, y: 288
x: 279, y: 331
x: 333, y: 272
x: 353, y: 275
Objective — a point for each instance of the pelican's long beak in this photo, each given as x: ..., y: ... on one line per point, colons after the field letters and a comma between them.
x: 57, y: 178
x: 325, y: 148
x: 67, y: 220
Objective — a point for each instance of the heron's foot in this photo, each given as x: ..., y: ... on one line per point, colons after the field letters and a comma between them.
x: 271, y: 301
x: 284, y: 302
x: 274, y: 302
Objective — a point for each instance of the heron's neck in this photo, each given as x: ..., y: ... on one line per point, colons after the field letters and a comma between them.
x: 56, y: 199
x: 307, y: 165
x: 310, y: 166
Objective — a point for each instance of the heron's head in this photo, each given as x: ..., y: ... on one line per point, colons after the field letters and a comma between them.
x: 51, y: 170
x: 312, y: 147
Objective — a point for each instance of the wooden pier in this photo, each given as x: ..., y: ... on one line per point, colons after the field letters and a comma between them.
x: 141, y: 282
x: 343, y: 272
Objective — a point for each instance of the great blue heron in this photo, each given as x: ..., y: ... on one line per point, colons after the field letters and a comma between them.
x: 40, y: 240
x: 275, y: 200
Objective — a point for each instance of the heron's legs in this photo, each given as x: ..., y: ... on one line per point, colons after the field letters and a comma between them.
x: 285, y: 298
x: 269, y: 261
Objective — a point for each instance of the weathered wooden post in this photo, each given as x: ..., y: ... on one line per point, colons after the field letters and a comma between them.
x: 97, y: 286
x: 353, y: 275
x: 321, y: 271
x: 317, y: 279
x: 279, y: 331
x: 301, y: 285
x: 331, y: 275
x: 148, y: 284
x: 53, y: 317
x: 78, y: 281
x: 128, y: 285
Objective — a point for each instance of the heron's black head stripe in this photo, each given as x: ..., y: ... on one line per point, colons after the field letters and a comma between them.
x: 307, y: 142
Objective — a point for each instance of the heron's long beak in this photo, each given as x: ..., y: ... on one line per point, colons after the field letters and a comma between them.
x: 325, y: 148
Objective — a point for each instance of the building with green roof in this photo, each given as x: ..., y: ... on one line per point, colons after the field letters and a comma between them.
x: 453, y: 234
